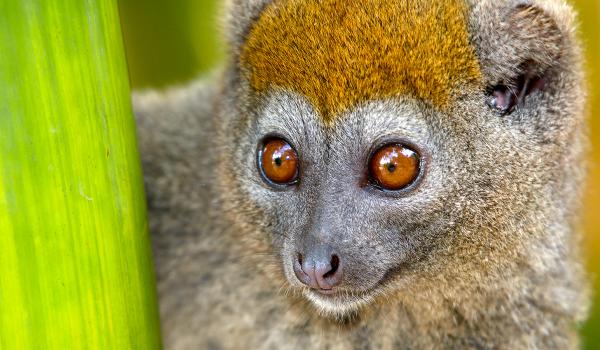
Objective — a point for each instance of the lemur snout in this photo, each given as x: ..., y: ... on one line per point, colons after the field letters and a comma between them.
x: 319, y: 268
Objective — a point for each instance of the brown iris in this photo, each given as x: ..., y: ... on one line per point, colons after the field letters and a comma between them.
x: 394, y: 167
x: 279, y: 161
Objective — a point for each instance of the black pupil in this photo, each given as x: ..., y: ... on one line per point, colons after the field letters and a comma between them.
x: 278, y: 161
x: 391, y: 167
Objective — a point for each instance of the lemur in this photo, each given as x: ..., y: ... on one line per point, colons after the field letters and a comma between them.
x: 373, y: 174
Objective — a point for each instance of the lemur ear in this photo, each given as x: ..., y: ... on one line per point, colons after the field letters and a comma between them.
x: 520, y: 44
x: 241, y: 14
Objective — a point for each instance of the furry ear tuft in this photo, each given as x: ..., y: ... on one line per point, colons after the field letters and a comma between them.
x: 520, y: 37
x: 524, y: 47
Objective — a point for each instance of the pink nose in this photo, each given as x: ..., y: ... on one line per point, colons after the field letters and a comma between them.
x: 319, y: 269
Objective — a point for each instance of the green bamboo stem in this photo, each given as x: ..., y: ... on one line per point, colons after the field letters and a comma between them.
x: 75, y: 261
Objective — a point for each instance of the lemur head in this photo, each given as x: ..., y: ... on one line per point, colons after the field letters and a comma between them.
x: 376, y: 147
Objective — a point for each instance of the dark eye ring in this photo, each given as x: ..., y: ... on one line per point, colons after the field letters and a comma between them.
x: 278, y: 161
x: 394, y: 166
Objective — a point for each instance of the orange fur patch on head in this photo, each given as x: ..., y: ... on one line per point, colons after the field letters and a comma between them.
x: 339, y: 53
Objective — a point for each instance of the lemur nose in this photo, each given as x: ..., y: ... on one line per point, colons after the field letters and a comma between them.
x: 319, y: 268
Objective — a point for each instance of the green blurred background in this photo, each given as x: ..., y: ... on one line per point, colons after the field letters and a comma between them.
x: 171, y: 42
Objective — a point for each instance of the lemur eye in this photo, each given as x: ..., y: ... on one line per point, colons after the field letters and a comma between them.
x: 394, y: 167
x: 278, y: 161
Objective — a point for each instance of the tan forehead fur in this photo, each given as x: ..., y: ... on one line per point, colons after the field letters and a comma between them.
x: 339, y: 53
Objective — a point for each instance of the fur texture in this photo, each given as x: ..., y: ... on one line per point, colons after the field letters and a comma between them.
x: 338, y: 54
x: 483, y: 253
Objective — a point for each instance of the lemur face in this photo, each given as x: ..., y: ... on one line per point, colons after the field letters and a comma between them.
x: 377, y: 132
x: 352, y: 202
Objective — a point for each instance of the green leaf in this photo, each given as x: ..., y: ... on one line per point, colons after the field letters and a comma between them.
x: 75, y: 260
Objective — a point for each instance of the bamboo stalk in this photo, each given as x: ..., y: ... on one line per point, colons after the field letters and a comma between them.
x: 75, y: 260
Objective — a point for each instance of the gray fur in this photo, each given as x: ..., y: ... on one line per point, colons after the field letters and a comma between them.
x: 239, y: 17
x: 483, y: 253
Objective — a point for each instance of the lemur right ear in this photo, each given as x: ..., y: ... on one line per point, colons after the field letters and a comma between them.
x: 520, y: 44
x: 241, y: 14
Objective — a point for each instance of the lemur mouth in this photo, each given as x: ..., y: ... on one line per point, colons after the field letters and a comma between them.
x: 337, y: 303
x: 329, y: 296
x: 326, y: 292
x: 338, y: 296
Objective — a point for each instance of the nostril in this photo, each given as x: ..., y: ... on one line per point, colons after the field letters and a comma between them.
x: 304, y: 275
x: 335, y: 263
